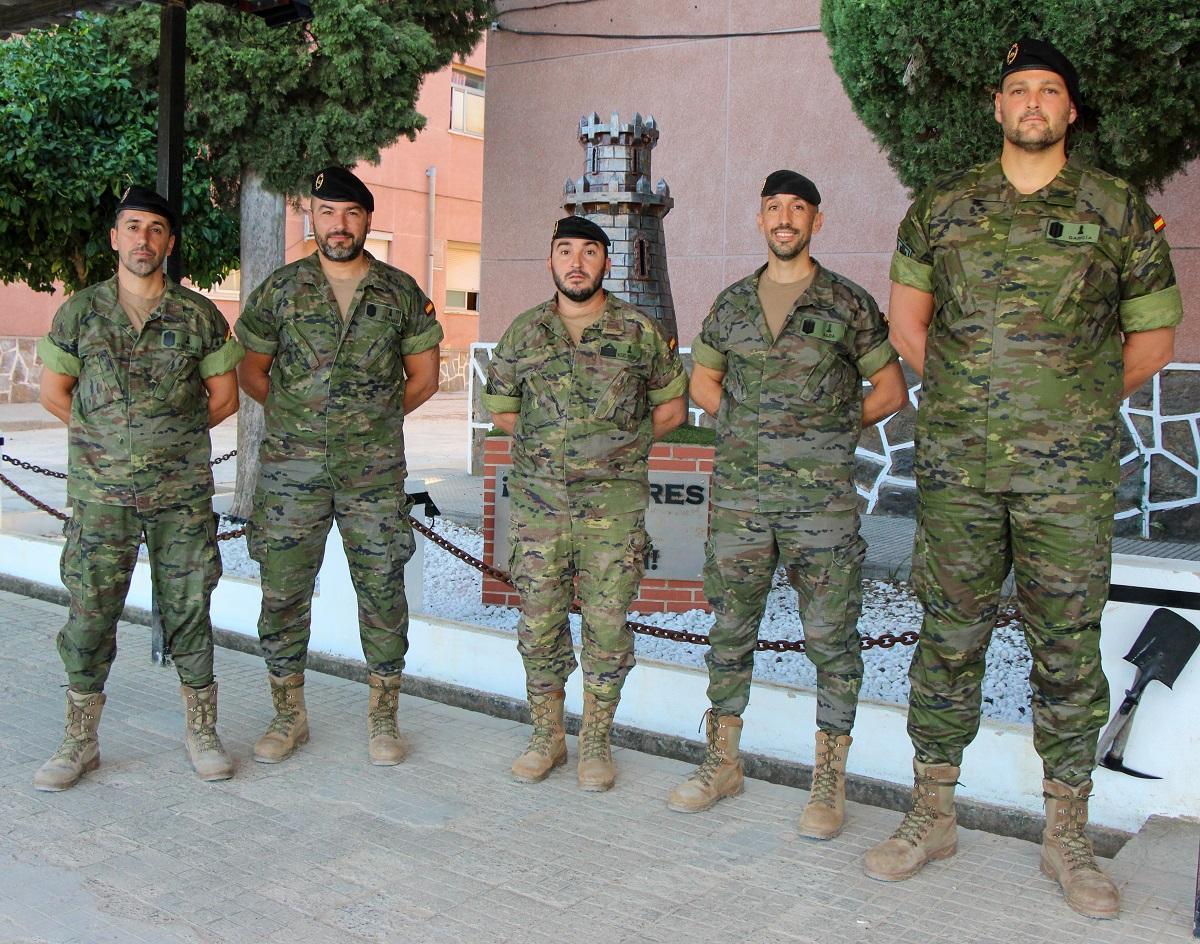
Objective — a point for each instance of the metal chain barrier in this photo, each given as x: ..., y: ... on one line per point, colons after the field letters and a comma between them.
x: 63, y: 516
x: 883, y: 641
x: 30, y: 467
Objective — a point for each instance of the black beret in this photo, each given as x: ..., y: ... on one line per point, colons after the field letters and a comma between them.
x: 1028, y: 53
x: 788, y: 181
x: 143, y: 198
x: 338, y: 185
x: 579, y: 227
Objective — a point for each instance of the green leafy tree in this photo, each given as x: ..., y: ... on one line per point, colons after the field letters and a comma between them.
x: 76, y: 128
x: 921, y: 75
x: 286, y: 101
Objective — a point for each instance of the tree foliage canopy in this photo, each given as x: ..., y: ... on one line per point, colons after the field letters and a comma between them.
x: 287, y: 101
x: 75, y: 130
x: 921, y: 75
x: 78, y: 119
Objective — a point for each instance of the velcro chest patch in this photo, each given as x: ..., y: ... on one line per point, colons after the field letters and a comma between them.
x: 1064, y: 231
x: 831, y: 331
x: 173, y: 339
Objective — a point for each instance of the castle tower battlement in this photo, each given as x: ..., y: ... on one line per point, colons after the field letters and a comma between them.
x: 615, y: 193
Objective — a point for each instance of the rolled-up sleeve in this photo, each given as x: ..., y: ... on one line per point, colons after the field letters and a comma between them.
x: 503, y: 392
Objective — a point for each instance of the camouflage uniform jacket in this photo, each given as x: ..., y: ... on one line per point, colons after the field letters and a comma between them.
x: 336, y: 402
x: 584, y: 410
x: 1023, y: 363
x: 138, y: 434
x: 791, y: 407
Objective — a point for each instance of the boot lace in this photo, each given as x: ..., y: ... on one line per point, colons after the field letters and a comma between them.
x: 381, y: 722
x: 203, y: 727
x: 714, y: 757
x: 825, y: 778
x: 918, y: 821
x: 541, y: 741
x: 593, y: 736
x: 285, y: 712
x: 1076, y: 847
x: 76, y: 737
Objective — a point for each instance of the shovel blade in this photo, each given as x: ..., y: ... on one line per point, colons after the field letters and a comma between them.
x: 1116, y: 763
x: 1163, y: 647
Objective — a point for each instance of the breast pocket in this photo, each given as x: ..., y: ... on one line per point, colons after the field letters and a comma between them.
x: 950, y: 290
x: 623, y: 401
x: 297, y: 354
x: 1083, y: 285
x: 832, y: 378
x: 381, y: 353
x: 178, y: 380
x: 99, y: 382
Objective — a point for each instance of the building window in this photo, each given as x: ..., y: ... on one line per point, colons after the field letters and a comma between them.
x: 466, y: 101
x: 462, y: 277
x: 641, y: 258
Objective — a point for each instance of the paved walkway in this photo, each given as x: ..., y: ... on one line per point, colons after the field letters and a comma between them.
x: 326, y: 848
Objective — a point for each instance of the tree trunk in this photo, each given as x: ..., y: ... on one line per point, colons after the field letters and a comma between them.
x: 262, y: 219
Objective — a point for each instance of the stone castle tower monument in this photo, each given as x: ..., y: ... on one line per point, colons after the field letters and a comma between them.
x: 615, y: 193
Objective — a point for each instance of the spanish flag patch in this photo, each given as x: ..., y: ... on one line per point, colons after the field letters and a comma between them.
x: 1159, y: 224
x: 429, y: 304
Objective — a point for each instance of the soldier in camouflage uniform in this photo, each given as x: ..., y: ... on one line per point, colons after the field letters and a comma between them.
x: 1033, y: 292
x: 779, y: 365
x: 138, y: 368
x: 340, y: 347
x: 584, y: 383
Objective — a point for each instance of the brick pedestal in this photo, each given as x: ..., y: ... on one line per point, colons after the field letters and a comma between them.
x: 655, y: 595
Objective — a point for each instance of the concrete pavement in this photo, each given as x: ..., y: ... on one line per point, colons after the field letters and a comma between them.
x: 326, y: 848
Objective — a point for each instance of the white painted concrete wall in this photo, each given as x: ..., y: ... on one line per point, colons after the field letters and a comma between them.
x: 1000, y: 767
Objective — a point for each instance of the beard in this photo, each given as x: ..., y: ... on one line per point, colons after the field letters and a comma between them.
x: 142, y: 266
x: 340, y: 253
x: 1034, y: 139
x: 787, y: 253
x: 579, y: 295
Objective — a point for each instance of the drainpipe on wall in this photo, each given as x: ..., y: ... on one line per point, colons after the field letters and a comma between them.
x: 431, y: 175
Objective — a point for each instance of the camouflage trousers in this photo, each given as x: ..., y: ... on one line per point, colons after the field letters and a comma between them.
x: 823, y: 555
x: 97, y: 566
x: 1060, y: 549
x: 551, y: 548
x: 287, y: 532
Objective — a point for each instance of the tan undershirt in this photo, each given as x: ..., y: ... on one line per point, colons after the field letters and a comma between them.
x: 779, y: 298
x: 343, y: 291
x: 137, y: 307
x: 577, y: 324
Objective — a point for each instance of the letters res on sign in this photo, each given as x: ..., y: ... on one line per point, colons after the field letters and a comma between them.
x: 676, y: 520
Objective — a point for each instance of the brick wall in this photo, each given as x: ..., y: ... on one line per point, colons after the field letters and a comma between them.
x: 655, y: 595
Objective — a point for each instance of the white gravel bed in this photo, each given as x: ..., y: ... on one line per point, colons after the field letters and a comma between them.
x: 452, y: 590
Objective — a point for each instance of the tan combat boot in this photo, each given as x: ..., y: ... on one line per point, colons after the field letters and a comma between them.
x: 825, y: 814
x: 548, y: 744
x: 204, y: 748
x: 928, y: 831
x: 383, y: 744
x: 80, y: 750
x: 597, y: 772
x: 289, y: 728
x: 719, y: 774
x: 1067, y: 853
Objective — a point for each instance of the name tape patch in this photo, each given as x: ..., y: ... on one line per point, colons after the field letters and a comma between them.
x: 1064, y: 231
